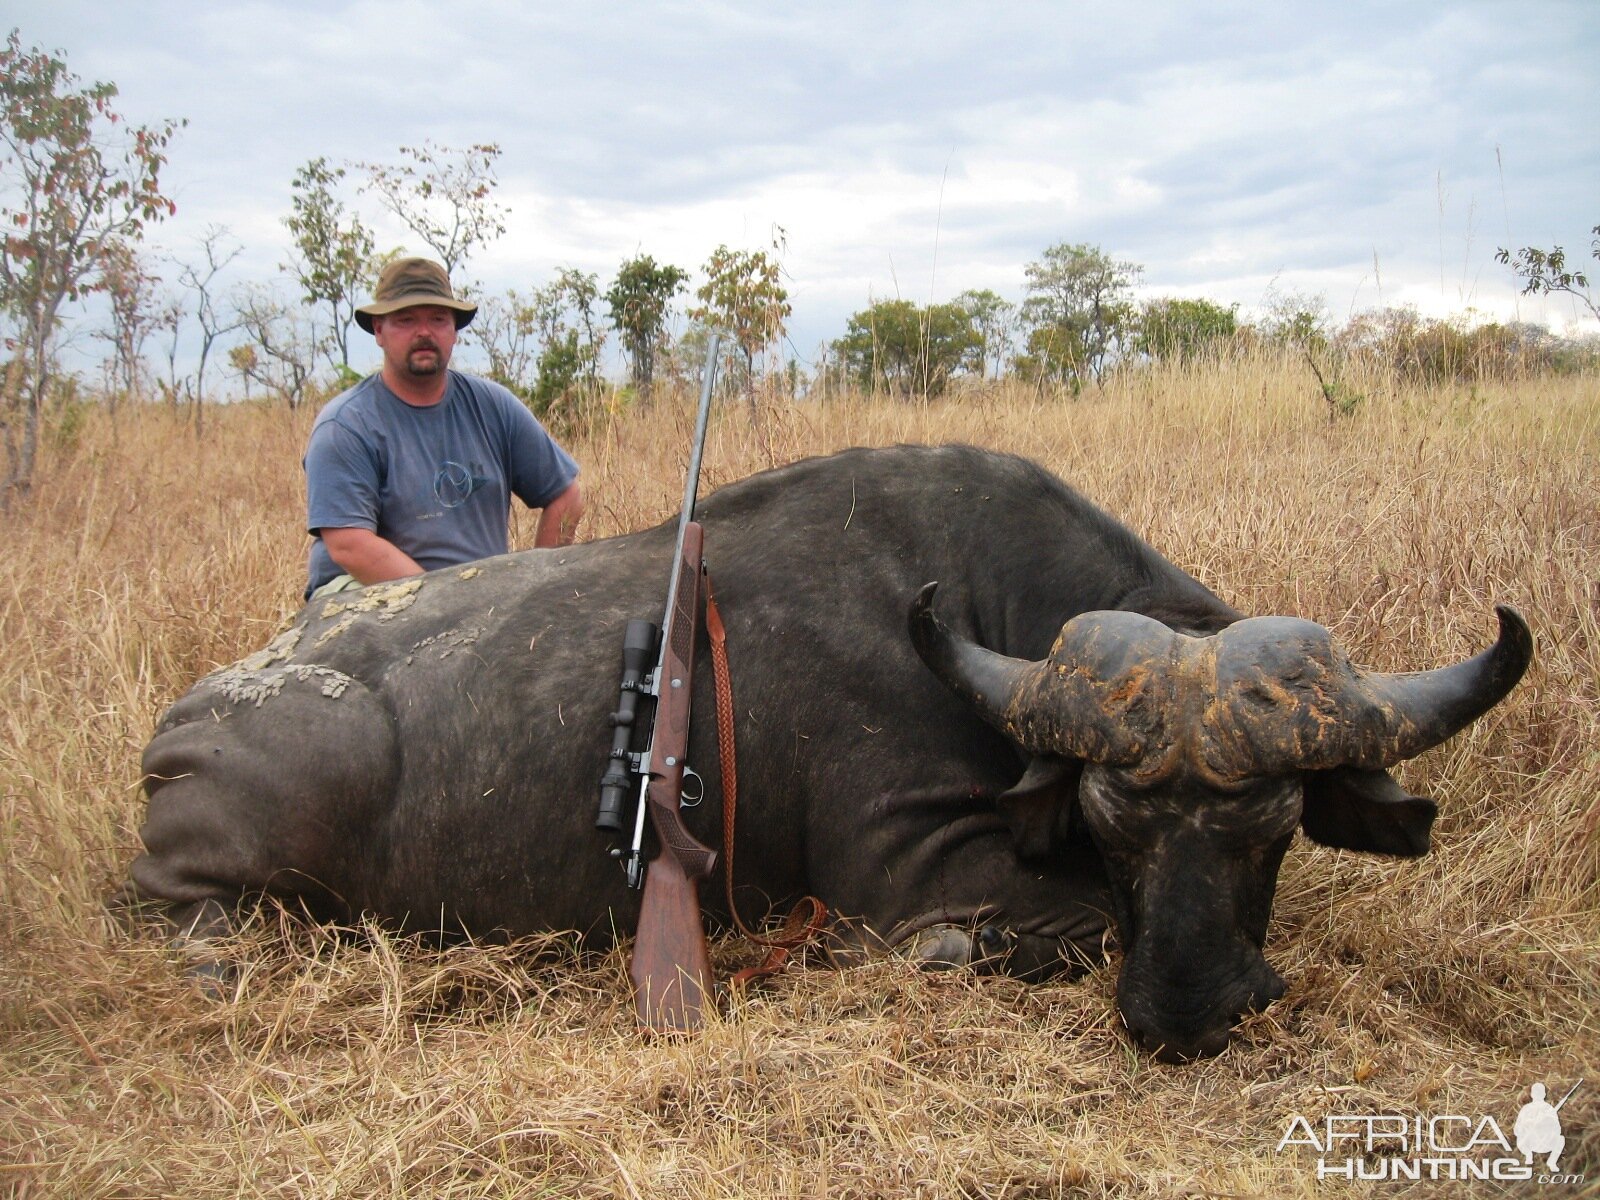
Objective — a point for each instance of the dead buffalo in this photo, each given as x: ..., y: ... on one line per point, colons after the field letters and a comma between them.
x: 1098, y: 737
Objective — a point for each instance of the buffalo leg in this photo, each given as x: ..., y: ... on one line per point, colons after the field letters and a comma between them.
x: 959, y: 896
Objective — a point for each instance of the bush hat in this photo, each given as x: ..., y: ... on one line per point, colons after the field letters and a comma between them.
x: 408, y: 282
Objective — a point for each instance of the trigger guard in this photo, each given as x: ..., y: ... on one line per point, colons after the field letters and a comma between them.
x: 685, y: 800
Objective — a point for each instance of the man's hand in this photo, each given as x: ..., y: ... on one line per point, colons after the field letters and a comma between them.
x: 368, y: 557
x: 558, y: 521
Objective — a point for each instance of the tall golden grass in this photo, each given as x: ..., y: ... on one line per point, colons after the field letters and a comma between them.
x: 375, y: 1067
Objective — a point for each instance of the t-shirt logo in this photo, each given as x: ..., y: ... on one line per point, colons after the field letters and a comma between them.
x: 455, y: 483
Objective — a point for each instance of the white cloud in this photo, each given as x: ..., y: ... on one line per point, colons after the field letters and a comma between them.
x: 911, y: 151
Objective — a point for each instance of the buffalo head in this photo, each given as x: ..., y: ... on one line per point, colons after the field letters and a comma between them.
x: 1196, y: 758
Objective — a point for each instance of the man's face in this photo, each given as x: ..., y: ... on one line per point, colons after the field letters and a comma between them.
x: 417, y: 341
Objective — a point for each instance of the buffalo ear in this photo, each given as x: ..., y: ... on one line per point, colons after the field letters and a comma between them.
x: 1349, y: 808
x: 1039, y: 806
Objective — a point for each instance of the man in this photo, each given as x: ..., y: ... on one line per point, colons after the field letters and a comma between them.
x: 1538, y: 1127
x: 414, y: 468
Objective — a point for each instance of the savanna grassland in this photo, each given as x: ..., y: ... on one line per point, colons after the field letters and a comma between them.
x: 377, y: 1067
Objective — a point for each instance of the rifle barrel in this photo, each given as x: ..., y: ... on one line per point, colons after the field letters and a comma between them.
x: 632, y: 859
x: 691, y: 484
x: 691, y: 491
x: 1568, y: 1096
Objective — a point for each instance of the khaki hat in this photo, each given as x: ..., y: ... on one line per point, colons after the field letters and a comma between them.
x: 408, y: 282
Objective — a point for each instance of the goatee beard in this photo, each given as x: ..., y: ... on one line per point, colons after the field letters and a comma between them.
x: 430, y: 367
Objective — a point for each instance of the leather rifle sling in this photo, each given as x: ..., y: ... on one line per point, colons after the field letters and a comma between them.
x: 806, y: 920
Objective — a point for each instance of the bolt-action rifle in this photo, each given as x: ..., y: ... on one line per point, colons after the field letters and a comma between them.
x: 671, y: 968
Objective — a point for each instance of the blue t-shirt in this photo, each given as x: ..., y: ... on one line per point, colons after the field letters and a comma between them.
x: 435, y: 481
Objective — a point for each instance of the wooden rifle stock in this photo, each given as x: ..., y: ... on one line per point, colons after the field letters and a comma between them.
x: 671, y: 968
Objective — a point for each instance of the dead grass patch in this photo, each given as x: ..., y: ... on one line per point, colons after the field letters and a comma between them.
x: 372, y: 1066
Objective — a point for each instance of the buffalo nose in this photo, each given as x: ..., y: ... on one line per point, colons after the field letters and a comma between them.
x: 1168, y: 1049
x: 1179, y: 1040
x: 1269, y: 989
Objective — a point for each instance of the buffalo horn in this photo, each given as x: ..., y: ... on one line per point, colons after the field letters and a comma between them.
x: 1428, y: 707
x: 1287, y: 700
x: 985, y: 680
x: 1041, y: 708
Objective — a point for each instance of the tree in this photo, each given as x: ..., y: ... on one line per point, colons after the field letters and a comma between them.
x: 336, y: 258
x: 443, y: 195
x: 1434, y: 350
x: 1303, y: 324
x: 1177, y: 330
x: 200, y: 278
x: 1079, y: 312
x: 743, y: 294
x: 74, y: 181
x: 130, y: 288
x: 507, y: 327
x: 169, y: 321
x: 244, y: 359
x: 570, y: 339
x: 994, y: 322
x: 639, y: 299
x: 583, y: 293
x: 684, y: 359
x: 908, y: 349
x: 1545, y: 272
x: 281, y: 349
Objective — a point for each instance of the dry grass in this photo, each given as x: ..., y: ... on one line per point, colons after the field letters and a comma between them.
x: 377, y: 1068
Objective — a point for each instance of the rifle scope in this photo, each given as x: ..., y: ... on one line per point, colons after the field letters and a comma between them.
x: 638, y: 652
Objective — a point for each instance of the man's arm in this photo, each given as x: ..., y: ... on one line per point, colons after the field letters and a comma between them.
x: 558, y: 521
x: 368, y: 557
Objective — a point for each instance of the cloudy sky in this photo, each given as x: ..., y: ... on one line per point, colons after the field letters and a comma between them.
x: 1371, y: 153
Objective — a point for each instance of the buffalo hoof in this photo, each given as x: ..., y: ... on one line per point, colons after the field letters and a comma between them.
x: 942, y: 947
x: 995, y: 946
